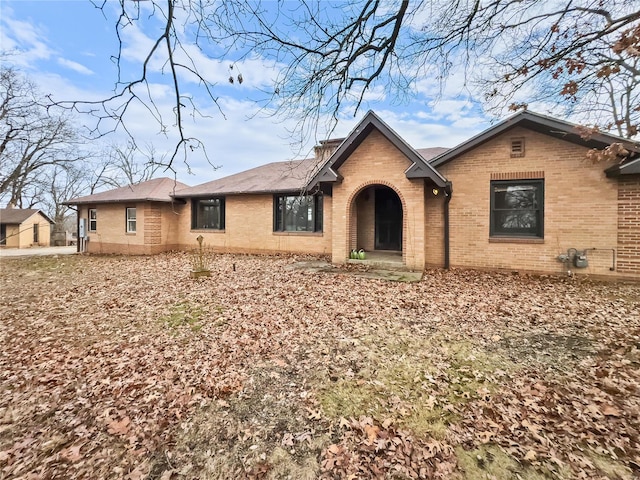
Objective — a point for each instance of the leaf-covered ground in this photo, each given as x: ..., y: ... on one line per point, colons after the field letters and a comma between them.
x: 114, y: 367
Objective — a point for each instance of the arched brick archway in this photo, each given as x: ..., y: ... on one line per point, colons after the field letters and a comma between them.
x: 352, y: 214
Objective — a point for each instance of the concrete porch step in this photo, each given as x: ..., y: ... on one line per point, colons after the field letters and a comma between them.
x: 383, y: 260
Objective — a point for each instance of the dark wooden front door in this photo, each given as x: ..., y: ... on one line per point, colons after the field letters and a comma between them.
x: 388, y: 220
x: 3, y: 234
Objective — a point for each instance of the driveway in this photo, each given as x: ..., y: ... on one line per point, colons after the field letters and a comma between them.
x: 27, y: 252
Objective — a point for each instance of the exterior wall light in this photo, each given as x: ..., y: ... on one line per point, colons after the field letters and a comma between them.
x: 435, y: 191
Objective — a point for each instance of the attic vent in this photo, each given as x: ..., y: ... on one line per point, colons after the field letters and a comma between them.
x: 517, y: 147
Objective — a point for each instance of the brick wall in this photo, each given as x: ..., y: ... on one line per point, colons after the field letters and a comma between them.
x: 249, y: 229
x: 156, y: 228
x: 580, y: 206
x: 152, y: 224
x: 629, y: 225
x: 434, y: 228
x: 110, y: 235
x: 365, y: 220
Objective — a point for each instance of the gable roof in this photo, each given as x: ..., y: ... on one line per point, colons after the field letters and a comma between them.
x: 156, y: 190
x: 15, y: 216
x: 277, y: 177
x: 419, y: 167
x: 540, y: 123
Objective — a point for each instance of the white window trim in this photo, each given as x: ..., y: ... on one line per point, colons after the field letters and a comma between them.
x: 129, y: 220
x: 94, y: 220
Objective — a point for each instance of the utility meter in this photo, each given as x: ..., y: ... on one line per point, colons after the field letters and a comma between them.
x: 82, y: 228
x: 580, y: 260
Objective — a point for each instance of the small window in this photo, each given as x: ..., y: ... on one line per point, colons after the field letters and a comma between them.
x: 208, y: 213
x: 517, y: 147
x: 36, y: 233
x: 131, y: 220
x: 517, y: 208
x: 93, y: 219
x: 297, y: 213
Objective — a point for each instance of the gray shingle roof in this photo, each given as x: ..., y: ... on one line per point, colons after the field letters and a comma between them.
x: 156, y: 190
x: 289, y: 176
x: 429, y: 153
x: 15, y: 216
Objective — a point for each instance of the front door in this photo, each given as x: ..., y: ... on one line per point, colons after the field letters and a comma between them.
x: 388, y: 228
x: 3, y: 234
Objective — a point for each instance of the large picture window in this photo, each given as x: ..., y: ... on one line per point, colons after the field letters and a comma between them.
x: 298, y: 213
x: 517, y: 208
x: 207, y: 213
x: 131, y: 220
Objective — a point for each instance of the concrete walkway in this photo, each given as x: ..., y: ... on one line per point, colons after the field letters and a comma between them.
x: 35, y: 251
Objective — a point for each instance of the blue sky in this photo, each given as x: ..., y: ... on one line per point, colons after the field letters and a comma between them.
x: 66, y: 48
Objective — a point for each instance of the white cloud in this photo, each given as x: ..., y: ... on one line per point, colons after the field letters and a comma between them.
x: 421, y: 132
x: 25, y: 41
x: 75, y: 66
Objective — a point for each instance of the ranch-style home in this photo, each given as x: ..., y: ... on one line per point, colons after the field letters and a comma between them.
x: 521, y: 195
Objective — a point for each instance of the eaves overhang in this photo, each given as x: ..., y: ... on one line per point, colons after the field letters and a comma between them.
x: 628, y: 168
x: 553, y: 127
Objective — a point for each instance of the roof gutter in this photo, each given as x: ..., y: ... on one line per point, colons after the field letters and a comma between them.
x: 448, y: 191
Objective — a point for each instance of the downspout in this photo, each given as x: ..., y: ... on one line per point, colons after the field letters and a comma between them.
x: 448, y: 191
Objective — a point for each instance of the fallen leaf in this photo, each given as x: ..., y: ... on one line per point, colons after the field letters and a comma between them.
x: 72, y: 453
x: 372, y: 432
x: 610, y: 411
x: 119, y: 427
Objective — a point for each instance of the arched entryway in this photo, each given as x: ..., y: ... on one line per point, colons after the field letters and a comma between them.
x: 377, y: 220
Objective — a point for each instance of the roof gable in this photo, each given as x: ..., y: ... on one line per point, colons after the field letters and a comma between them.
x: 15, y: 216
x: 419, y: 167
x: 156, y: 190
x: 553, y: 127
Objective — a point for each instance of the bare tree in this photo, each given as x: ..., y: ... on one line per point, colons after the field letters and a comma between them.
x: 127, y: 164
x: 331, y: 55
x: 66, y: 182
x: 34, y: 141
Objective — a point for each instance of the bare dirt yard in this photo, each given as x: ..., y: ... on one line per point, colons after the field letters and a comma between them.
x: 114, y: 367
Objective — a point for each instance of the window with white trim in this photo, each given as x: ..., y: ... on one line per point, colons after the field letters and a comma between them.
x: 93, y: 219
x: 131, y: 219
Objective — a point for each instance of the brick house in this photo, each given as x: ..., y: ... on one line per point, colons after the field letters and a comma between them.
x: 138, y: 219
x: 24, y: 228
x: 521, y: 195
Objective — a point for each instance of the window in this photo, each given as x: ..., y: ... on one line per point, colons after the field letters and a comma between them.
x: 207, y: 213
x: 36, y: 233
x: 93, y: 219
x: 297, y: 213
x: 131, y: 220
x: 517, y: 208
